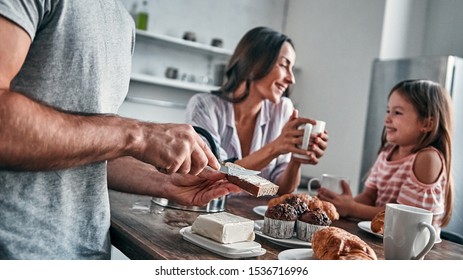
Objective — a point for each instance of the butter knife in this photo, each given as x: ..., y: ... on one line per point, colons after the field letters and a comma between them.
x: 236, y: 171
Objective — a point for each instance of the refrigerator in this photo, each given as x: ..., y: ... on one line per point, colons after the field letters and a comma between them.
x: 446, y: 70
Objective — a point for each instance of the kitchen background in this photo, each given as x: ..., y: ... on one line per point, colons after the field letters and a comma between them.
x: 336, y: 44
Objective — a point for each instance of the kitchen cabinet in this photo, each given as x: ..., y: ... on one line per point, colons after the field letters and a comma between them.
x: 195, y: 61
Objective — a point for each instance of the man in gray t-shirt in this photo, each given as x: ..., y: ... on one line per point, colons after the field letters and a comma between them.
x: 64, y: 72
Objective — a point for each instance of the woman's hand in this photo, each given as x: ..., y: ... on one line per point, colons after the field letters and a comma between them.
x: 320, y: 143
x: 291, y: 135
x: 291, y: 138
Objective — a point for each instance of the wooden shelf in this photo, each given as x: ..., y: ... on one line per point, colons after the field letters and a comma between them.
x: 149, y: 79
x: 178, y: 42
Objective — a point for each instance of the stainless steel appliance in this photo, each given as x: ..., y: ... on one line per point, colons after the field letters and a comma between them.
x: 446, y: 70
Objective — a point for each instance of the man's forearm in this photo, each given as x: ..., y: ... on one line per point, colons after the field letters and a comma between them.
x: 127, y: 174
x: 34, y: 136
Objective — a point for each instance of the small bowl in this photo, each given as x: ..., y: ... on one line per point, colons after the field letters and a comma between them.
x: 189, y: 36
x: 215, y: 205
x: 171, y: 73
x: 216, y: 42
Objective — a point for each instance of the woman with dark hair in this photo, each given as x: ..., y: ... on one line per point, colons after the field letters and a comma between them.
x: 251, y: 118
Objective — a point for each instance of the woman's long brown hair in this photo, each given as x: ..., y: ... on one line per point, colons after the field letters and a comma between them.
x: 253, y: 58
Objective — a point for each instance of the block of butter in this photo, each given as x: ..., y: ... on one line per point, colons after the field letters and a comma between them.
x: 224, y: 227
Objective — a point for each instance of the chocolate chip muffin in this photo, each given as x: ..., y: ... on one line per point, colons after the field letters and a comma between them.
x: 299, y: 205
x: 310, y: 222
x: 279, y: 221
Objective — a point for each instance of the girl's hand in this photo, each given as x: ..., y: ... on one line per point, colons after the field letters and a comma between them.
x: 344, y: 202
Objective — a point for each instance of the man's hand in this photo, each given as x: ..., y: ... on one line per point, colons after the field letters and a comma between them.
x: 199, y: 190
x: 175, y: 148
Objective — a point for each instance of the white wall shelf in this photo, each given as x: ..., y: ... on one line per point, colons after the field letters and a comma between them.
x: 154, y: 80
x: 181, y: 43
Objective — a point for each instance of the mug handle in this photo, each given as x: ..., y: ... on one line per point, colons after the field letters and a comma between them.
x: 432, y: 239
x: 309, y: 183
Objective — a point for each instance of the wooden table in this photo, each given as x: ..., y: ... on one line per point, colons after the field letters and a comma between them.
x: 144, y: 230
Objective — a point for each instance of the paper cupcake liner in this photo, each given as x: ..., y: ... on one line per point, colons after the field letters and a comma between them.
x: 278, y: 228
x: 304, y: 231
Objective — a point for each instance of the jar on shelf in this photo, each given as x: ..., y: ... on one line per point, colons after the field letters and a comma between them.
x: 141, y: 20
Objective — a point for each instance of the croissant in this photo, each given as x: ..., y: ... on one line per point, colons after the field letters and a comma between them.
x: 377, y: 224
x: 333, y: 243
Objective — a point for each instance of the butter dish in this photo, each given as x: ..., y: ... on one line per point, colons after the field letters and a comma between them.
x: 236, y: 250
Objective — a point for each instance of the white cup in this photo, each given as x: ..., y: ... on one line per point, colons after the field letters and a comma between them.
x: 408, y: 232
x: 319, y: 127
x: 328, y: 181
x: 306, y: 139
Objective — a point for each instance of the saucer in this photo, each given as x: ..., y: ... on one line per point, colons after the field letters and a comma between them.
x: 260, y: 210
x: 296, y: 254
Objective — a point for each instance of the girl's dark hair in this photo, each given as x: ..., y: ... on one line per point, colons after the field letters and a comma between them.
x: 431, y: 100
x: 253, y: 59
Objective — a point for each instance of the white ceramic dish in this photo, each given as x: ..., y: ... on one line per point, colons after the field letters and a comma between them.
x: 234, y: 251
x: 366, y: 226
x: 296, y: 254
x: 260, y: 210
x: 289, y: 243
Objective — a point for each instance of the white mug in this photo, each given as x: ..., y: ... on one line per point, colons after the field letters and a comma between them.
x: 328, y: 181
x: 408, y: 232
x: 306, y: 138
x: 319, y: 127
x: 310, y: 132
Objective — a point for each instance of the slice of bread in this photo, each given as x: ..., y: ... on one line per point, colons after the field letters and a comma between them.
x: 253, y: 184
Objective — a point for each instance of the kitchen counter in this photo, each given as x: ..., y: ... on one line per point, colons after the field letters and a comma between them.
x: 144, y: 230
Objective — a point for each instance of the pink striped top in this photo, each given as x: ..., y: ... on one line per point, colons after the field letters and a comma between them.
x: 395, y: 182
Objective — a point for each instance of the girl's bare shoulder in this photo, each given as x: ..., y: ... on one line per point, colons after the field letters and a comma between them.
x: 428, y: 166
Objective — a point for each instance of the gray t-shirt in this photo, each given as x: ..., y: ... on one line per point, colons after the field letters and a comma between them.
x: 79, y: 60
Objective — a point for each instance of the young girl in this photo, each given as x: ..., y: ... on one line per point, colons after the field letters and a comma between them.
x: 414, y: 161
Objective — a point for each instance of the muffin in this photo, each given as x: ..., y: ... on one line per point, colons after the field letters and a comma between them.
x: 310, y: 222
x: 326, y: 206
x: 279, y: 221
x: 285, y: 197
x: 299, y: 205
